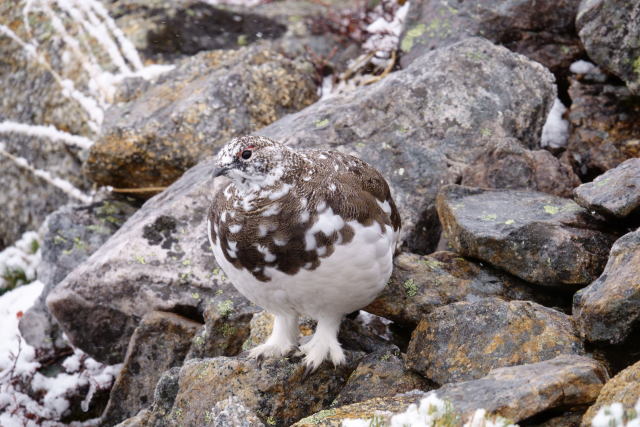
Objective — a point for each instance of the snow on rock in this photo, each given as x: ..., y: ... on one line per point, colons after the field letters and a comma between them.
x: 431, y: 411
x: 27, y: 397
x: 582, y: 67
x: 18, y: 263
x: 556, y: 129
x: 615, y: 415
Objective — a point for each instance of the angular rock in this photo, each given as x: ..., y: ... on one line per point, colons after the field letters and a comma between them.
x: 379, y: 374
x: 540, y: 238
x: 616, y: 193
x: 608, y: 310
x: 506, y: 164
x: 169, y: 30
x: 604, y: 123
x: 610, y: 32
x: 227, y: 326
x: 624, y: 388
x: 421, y: 284
x: 515, y: 393
x: 232, y: 412
x: 160, y: 342
x: 159, y: 260
x: 421, y: 126
x: 542, y: 30
x: 69, y: 236
x: 275, y: 392
x: 163, y: 398
x: 194, y: 109
x: 464, y: 341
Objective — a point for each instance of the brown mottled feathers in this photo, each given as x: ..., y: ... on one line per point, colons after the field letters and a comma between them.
x: 272, y: 233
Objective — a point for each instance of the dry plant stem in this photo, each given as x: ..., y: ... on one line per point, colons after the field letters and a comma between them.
x: 138, y: 190
x: 386, y: 71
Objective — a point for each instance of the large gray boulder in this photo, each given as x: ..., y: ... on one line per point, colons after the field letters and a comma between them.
x: 608, y: 310
x: 543, y: 30
x: 543, y: 239
x: 465, y: 340
x: 615, y: 194
x: 610, y: 31
x: 422, y: 126
x: 69, y: 236
x: 191, y: 111
x: 159, y: 260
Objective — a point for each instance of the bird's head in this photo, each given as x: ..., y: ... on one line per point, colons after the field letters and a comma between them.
x: 252, y: 162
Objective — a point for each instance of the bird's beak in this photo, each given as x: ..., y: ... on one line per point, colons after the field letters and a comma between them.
x: 220, y: 170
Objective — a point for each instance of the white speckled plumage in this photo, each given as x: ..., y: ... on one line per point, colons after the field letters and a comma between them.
x: 299, y: 247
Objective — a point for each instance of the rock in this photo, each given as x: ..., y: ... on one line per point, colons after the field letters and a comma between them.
x: 610, y: 31
x: 616, y: 193
x: 540, y: 238
x: 608, y: 310
x: 159, y: 343
x: 464, y: 341
x: 227, y: 326
x: 516, y: 393
x: 604, y: 123
x: 166, y: 31
x: 232, y: 412
x: 624, y: 388
x: 421, y: 284
x: 159, y: 260
x: 274, y: 392
x: 421, y: 126
x: 542, y: 30
x: 379, y: 374
x: 506, y: 164
x: 32, y: 96
x: 163, y: 398
x: 194, y: 109
x: 69, y: 236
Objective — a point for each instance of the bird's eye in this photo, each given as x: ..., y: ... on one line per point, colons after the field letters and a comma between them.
x: 246, y: 154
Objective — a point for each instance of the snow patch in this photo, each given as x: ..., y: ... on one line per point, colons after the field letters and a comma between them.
x: 555, y: 131
x: 582, y: 67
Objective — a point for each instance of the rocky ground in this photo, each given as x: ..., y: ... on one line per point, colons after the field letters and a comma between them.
x: 509, y: 134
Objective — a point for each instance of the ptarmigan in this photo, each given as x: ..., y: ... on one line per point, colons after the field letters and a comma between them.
x: 302, y: 233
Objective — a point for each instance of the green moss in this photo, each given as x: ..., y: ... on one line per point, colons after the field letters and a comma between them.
x: 509, y: 222
x: 198, y: 341
x: 317, y: 417
x: 139, y: 259
x: 271, y: 421
x: 242, y: 40
x: 410, y: 288
x: 411, y: 35
x: 432, y: 263
x: 636, y: 66
x: 551, y: 210
x: 34, y: 246
x: 228, y: 330
x: 58, y: 239
x: 485, y: 132
x: 13, y: 277
x: 225, y: 308
x: 321, y: 123
x: 489, y: 217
